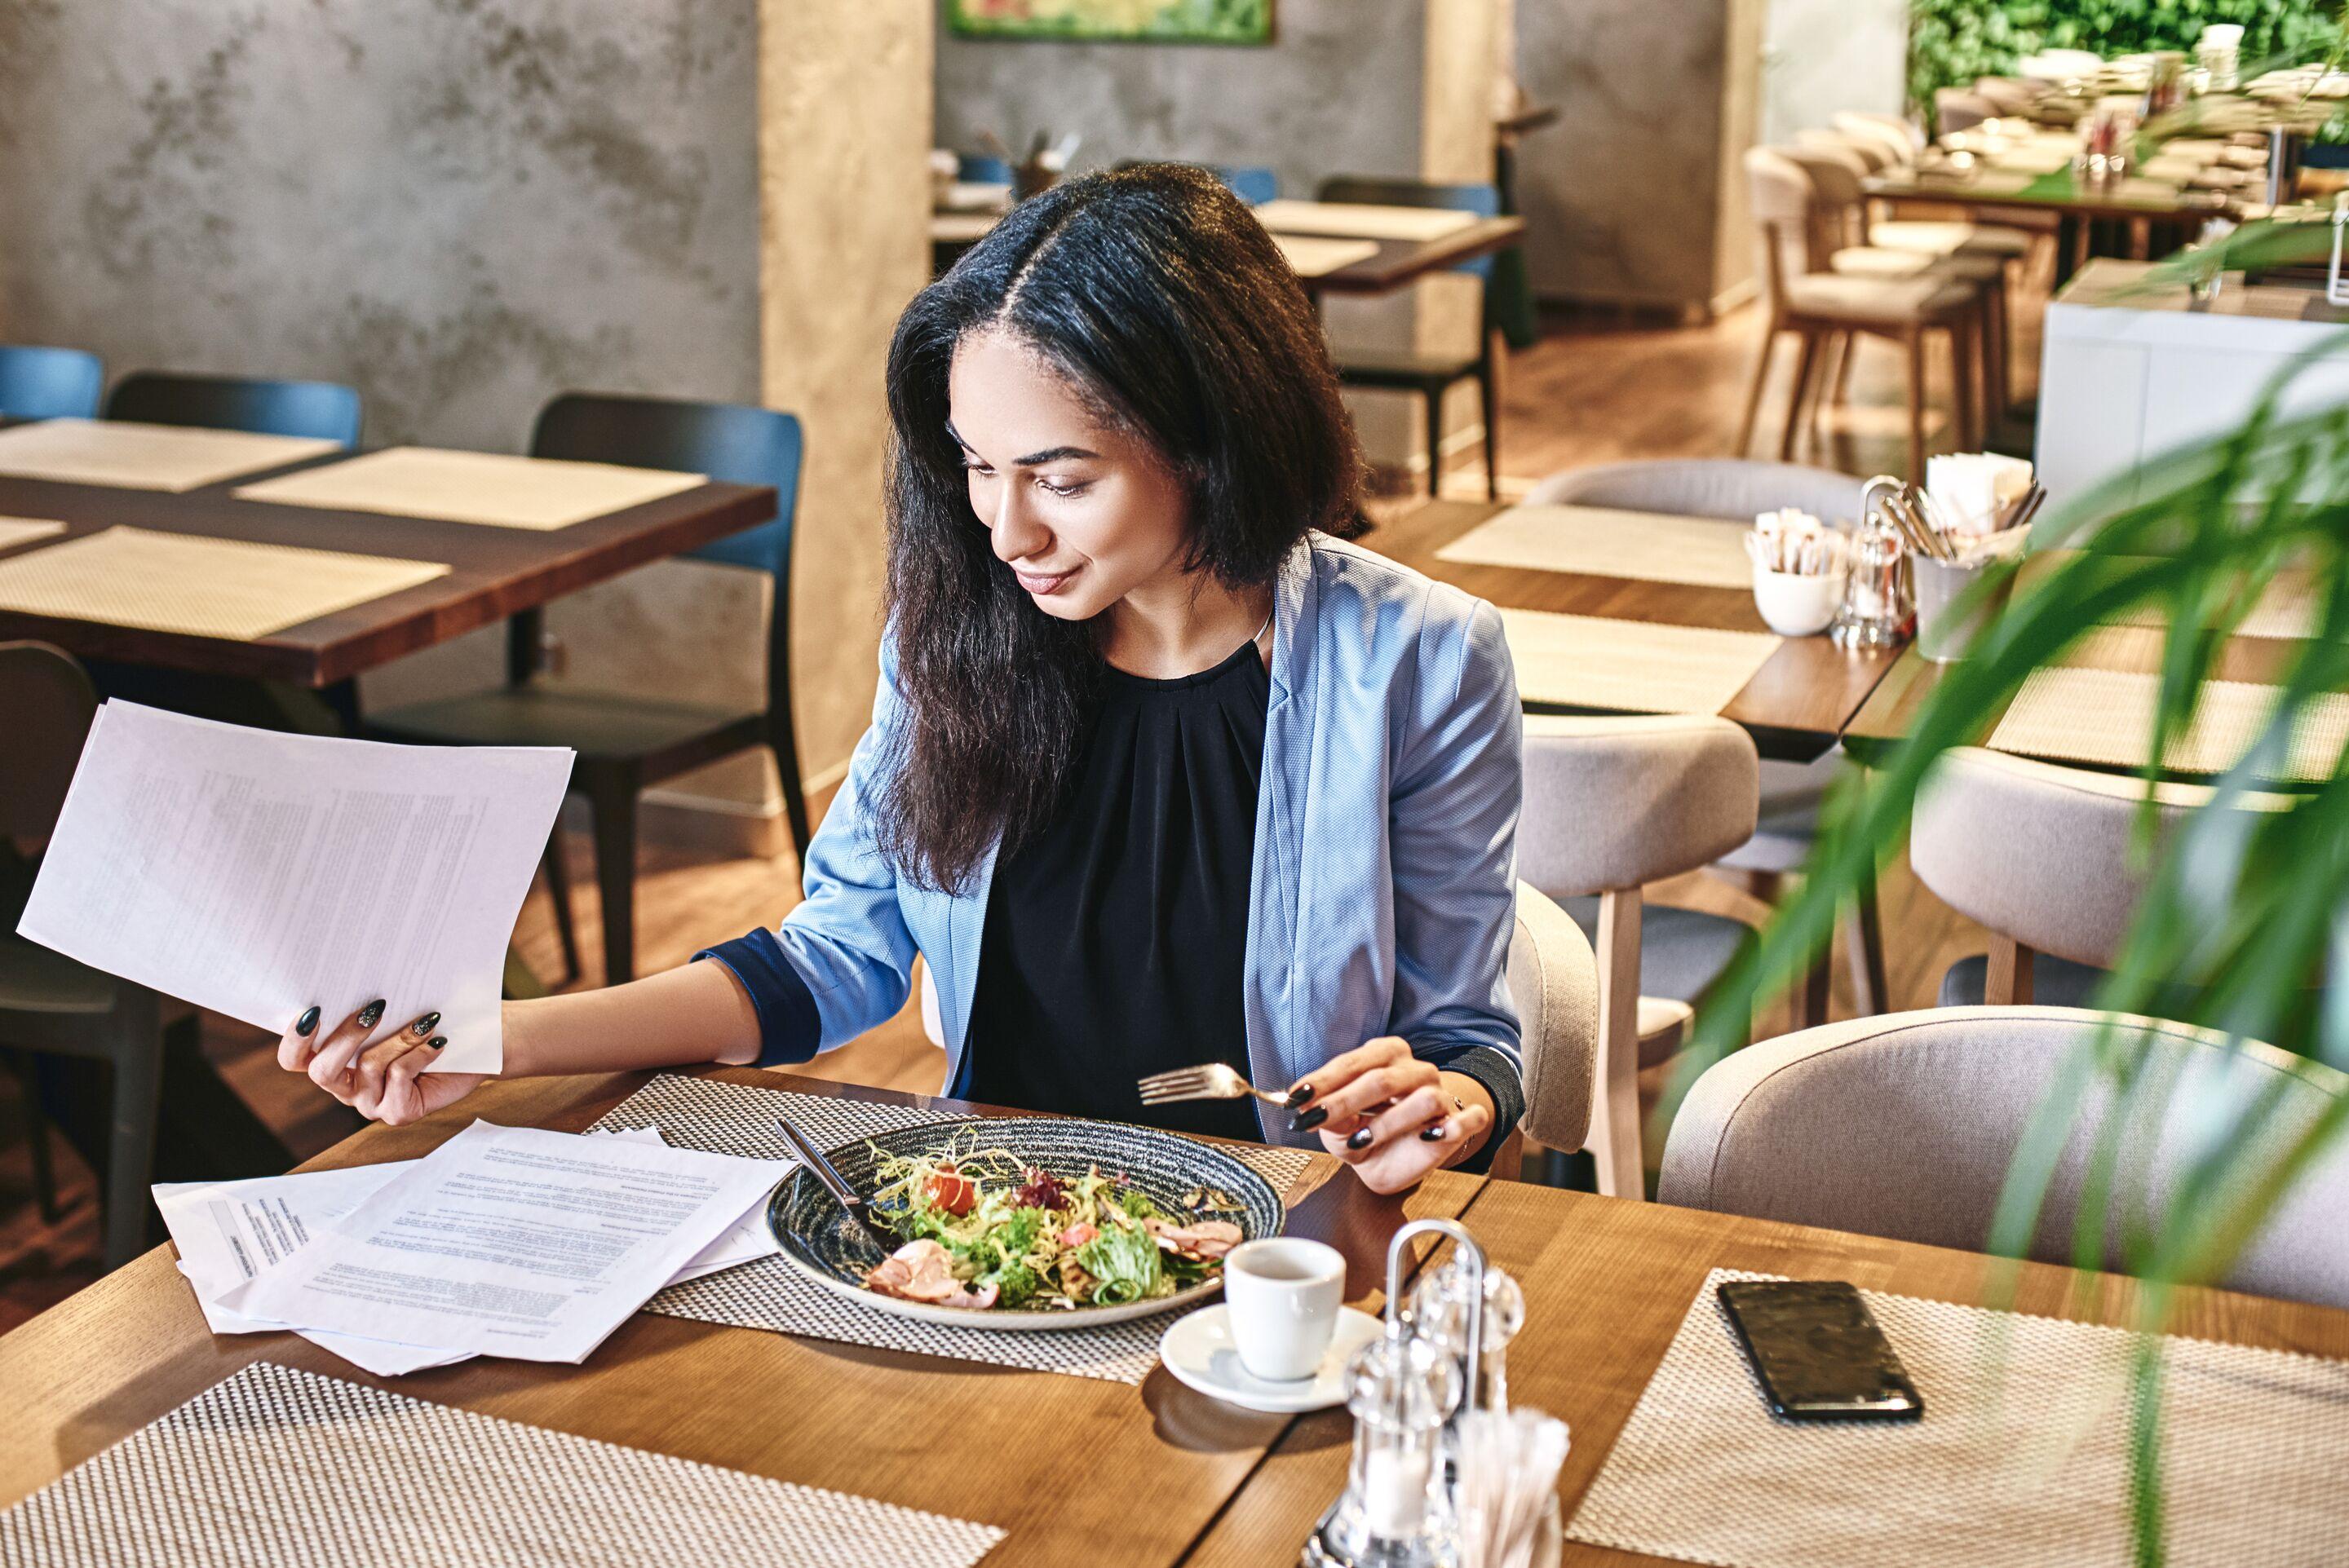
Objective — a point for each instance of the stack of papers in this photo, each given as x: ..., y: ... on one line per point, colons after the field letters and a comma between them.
x: 506, y: 1241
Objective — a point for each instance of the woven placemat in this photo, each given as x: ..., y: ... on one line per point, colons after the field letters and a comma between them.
x: 127, y: 455
x: 769, y: 1293
x: 17, y: 531
x: 1699, y: 551
x: 495, y: 489
x: 2021, y: 1461
x: 275, y: 1467
x: 1313, y: 256
x: 1633, y: 667
x: 204, y: 587
x: 2067, y: 714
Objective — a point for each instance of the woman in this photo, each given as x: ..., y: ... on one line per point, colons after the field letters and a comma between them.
x: 1160, y: 772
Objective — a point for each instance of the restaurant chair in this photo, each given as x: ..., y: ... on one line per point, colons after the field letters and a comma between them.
x: 1801, y: 296
x: 321, y: 411
x: 1734, y: 489
x: 41, y: 383
x: 2047, y: 858
x: 982, y: 168
x: 1847, y: 241
x: 1252, y: 183
x: 1553, y: 980
x: 625, y: 745
x: 49, y: 1003
x: 1906, y: 1126
x: 1900, y: 140
x: 1432, y: 374
x: 2012, y: 97
x: 1612, y: 804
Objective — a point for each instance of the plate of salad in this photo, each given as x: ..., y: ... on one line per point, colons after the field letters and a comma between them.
x: 1026, y: 1222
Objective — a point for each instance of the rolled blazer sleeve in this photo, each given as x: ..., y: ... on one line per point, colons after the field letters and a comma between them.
x: 841, y: 961
x: 1458, y: 781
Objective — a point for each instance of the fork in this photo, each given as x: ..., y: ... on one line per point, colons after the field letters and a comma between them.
x: 1214, y: 1080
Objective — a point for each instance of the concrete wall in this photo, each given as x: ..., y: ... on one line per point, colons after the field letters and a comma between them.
x: 1821, y: 55
x: 464, y: 207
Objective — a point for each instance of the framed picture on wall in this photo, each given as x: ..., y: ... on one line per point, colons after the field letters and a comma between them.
x: 1136, y: 21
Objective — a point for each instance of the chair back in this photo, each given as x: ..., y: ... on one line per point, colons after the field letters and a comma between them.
x: 1840, y: 202
x: 1615, y: 804
x: 2043, y: 855
x: 1252, y: 183
x: 2007, y: 94
x: 1553, y: 980
x: 1730, y: 489
x: 1955, y: 109
x: 1781, y: 204
x: 49, y: 702
x: 1900, y: 140
x: 982, y: 168
x: 38, y: 383
x: 1905, y: 1126
x: 1484, y: 201
x: 321, y: 411
x: 1874, y: 157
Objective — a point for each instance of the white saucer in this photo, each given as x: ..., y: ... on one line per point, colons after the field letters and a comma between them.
x: 1198, y: 1350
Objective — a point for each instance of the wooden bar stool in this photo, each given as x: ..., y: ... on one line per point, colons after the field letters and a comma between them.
x: 1816, y: 304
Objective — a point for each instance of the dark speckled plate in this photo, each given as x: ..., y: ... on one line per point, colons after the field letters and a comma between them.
x: 820, y: 1241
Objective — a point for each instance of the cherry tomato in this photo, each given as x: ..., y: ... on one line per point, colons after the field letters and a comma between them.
x: 952, y: 1192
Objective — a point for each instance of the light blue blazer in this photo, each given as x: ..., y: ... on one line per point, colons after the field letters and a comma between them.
x: 1382, y: 894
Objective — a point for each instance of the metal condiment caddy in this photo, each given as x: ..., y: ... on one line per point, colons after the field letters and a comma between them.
x: 1407, y: 1390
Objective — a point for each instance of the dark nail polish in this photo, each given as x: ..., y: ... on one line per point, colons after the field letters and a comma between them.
x: 372, y: 1014
x: 1306, y: 1120
x: 1361, y: 1140
x: 423, y: 1025
x: 437, y: 1041
x: 1299, y: 1095
x: 307, y: 1023
x: 1432, y: 1134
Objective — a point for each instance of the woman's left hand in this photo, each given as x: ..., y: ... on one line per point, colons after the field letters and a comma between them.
x: 1391, y: 1116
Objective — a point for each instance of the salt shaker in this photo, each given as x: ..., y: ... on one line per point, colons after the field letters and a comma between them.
x: 1878, y: 605
x: 1401, y: 1389
x: 1439, y: 1311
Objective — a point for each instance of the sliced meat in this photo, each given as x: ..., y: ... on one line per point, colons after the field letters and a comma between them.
x: 1077, y: 1235
x: 1201, y: 1239
x: 923, y: 1271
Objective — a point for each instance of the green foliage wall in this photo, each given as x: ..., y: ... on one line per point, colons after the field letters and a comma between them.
x: 1952, y: 42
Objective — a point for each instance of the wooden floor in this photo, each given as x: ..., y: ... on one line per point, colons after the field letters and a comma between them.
x: 1596, y: 390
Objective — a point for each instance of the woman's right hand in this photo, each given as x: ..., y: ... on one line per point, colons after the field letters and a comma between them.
x: 385, y: 1081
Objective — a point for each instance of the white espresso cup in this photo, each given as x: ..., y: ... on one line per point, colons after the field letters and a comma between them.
x: 1284, y: 1293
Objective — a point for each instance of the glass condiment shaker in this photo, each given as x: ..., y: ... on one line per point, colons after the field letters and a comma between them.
x: 1878, y: 603
x: 1438, y: 1312
x: 1402, y: 1389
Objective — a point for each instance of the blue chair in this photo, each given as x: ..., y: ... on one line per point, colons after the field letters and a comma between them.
x: 323, y: 410
x: 1432, y: 374
x: 982, y: 169
x: 627, y: 744
x: 48, y: 383
x: 1251, y: 183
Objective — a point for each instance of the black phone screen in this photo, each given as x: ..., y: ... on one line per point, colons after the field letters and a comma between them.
x: 1818, y: 1351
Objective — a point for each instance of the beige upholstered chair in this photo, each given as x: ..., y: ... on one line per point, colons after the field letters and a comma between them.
x: 1803, y: 297
x: 2007, y: 94
x: 1905, y: 1126
x: 1611, y: 805
x: 1554, y: 981
x: 1901, y: 140
x: 2044, y: 857
x: 1734, y: 489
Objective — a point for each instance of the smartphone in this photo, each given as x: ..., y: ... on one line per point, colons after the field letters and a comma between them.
x: 1818, y: 1352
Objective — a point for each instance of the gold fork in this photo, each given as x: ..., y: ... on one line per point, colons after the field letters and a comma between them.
x: 1214, y: 1080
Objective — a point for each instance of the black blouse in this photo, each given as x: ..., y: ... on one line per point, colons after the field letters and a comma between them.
x: 1116, y: 939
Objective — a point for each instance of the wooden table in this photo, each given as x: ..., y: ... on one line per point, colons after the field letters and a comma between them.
x: 1606, y: 1284
x: 1078, y: 1470
x: 495, y: 572
x: 1797, y: 703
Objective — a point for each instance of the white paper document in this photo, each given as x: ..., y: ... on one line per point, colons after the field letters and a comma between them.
x: 230, y: 1232
x: 259, y: 873
x: 513, y: 1242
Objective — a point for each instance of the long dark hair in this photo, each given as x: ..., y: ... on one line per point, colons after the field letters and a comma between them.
x: 1166, y: 304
